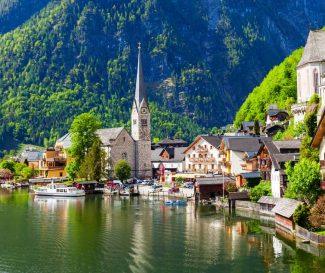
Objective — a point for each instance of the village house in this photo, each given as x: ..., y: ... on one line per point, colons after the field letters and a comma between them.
x: 172, y: 159
x: 239, y: 154
x: 310, y: 74
x: 203, y: 155
x: 31, y: 157
x: 171, y: 142
x: 118, y: 144
x: 53, y: 163
x: 248, y: 128
x: 276, y: 120
x: 272, y: 158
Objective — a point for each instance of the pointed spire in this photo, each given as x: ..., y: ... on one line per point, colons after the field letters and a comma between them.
x: 140, y: 92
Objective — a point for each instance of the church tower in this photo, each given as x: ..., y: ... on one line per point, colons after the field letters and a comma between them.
x: 140, y: 126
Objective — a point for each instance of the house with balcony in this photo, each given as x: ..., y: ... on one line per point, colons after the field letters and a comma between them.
x: 318, y: 142
x: 239, y: 154
x: 172, y: 159
x: 310, y: 74
x: 276, y: 120
x: 272, y: 158
x: 248, y: 128
x: 53, y: 163
x: 203, y: 155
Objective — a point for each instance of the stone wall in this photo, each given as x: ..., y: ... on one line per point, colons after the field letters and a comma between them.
x: 247, y: 205
x: 313, y: 237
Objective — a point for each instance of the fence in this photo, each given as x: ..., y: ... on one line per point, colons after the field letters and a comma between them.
x: 309, y: 235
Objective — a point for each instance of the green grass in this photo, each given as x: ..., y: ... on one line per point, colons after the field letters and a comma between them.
x: 322, y: 232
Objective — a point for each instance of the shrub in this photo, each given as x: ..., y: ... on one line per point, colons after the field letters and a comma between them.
x: 230, y: 187
x: 262, y: 189
x: 317, y: 216
x: 301, y: 215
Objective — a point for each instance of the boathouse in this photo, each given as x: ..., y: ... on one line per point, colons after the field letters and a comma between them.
x: 267, y: 203
x: 283, y: 210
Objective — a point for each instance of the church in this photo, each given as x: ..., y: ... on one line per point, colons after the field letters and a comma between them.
x: 118, y: 143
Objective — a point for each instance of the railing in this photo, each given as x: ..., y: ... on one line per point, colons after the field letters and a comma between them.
x: 201, y: 150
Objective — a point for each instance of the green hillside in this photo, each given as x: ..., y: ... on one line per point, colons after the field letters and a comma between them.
x: 279, y: 87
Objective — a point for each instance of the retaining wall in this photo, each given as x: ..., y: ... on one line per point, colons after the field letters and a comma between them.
x: 313, y: 237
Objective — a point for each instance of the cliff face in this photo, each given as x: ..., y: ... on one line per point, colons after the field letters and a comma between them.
x: 201, y: 59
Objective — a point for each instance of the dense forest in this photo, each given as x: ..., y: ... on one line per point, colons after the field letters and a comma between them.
x: 59, y: 58
x: 279, y: 87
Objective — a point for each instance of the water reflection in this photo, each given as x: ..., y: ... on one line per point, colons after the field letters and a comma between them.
x: 111, y: 234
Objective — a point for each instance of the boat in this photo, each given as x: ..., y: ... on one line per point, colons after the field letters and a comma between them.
x: 175, y: 203
x: 8, y: 186
x: 59, y: 190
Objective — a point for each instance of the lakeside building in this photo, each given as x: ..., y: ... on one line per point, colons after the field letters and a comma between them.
x: 272, y: 158
x: 310, y: 74
x: 31, y: 157
x: 203, y: 155
x: 118, y: 144
x: 172, y: 159
x: 238, y: 154
x: 170, y: 142
x: 53, y: 163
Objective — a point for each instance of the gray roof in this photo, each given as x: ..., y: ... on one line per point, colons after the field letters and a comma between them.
x: 106, y: 136
x: 32, y: 155
x: 268, y: 200
x: 276, y: 149
x: 213, y: 140
x: 314, y: 48
x: 64, y: 141
x: 243, y: 144
x: 251, y: 175
x: 215, y: 180
x: 286, y: 207
x: 178, y: 154
x: 171, y: 141
x: 275, y: 112
x: 109, y: 134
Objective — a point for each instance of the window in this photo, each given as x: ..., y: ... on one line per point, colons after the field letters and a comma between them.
x: 144, y: 122
x: 188, y: 156
x: 124, y: 156
x: 134, y: 122
x: 315, y: 80
x: 199, y: 166
x: 193, y: 156
x: 123, y: 139
x: 61, y: 174
x: 210, y: 147
x: 193, y: 148
x: 189, y: 166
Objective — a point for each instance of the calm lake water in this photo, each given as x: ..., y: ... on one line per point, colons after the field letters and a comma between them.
x: 102, y: 234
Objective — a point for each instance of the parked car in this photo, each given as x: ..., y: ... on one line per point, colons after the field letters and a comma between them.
x: 173, y: 190
x: 188, y: 185
x: 148, y: 182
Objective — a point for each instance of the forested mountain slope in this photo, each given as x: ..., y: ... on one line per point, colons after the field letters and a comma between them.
x: 201, y: 58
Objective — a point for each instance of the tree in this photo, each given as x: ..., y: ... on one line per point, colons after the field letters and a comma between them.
x: 301, y: 215
x: 256, y: 127
x: 304, y: 180
x: 262, y: 189
x: 122, y: 170
x: 72, y: 169
x: 83, y: 134
x: 94, y: 165
x: 179, y: 179
x: 27, y: 172
x: 8, y: 164
x: 317, y: 216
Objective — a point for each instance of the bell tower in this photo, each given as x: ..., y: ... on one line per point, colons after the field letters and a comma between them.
x: 140, y: 125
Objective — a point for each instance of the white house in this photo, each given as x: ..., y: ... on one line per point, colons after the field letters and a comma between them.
x: 203, y: 155
x: 310, y: 73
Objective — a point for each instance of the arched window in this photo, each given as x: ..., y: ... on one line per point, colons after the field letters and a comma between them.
x: 124, y: 156
x: 315, y: 80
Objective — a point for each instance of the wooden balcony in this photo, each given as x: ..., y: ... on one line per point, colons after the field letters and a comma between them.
x: 201, y: 150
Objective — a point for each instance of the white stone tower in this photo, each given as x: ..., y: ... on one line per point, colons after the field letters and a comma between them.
x: 140, y: 126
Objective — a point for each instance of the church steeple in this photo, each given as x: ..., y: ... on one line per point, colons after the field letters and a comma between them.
x: 140, y: 91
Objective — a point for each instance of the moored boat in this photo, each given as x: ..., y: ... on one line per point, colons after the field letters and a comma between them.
x: 8, y: 186
x: 59, y: 190
x: 175, y: 203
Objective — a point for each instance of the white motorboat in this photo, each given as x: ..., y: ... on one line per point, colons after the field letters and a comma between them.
x: 59, y: 190
x: 8, y: 186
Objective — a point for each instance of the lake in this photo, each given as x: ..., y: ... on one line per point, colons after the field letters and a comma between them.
x: 112, y: 234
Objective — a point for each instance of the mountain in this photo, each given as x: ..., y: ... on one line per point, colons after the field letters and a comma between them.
x: 279, y: 87
x: 201, y: 58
